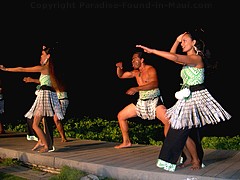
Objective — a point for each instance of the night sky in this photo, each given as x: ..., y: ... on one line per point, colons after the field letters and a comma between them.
x: 94, y: 36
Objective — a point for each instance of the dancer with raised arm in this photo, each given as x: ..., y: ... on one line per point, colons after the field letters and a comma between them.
x: 149, y: 104
x: 195, y: 106
x: 46, y: 103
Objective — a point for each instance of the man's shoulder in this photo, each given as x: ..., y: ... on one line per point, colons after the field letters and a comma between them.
x: 148, y: 66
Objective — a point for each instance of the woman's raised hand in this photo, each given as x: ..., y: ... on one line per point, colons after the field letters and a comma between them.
x: 179, y: 38
x: 145, y: 49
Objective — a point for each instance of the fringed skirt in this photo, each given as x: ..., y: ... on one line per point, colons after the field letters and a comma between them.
x: 146, y: 109
x: 199, y: 109
x: 64, y: 105
x: 195, y: 111
x: 46, y: 104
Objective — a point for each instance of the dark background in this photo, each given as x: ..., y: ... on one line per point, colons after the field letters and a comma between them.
x: 95, y: 36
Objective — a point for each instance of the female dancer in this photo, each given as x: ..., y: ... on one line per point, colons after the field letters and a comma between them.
x: 64, y: 101
x: 46, y: 103
x: 195, y: 106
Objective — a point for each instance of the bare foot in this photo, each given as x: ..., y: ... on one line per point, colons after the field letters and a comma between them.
x: 185, y: 164
x: 64, y: 140
x: 123, y: 145
x: 37, y: 146
x: 43, y: 149
x: 195, y: 166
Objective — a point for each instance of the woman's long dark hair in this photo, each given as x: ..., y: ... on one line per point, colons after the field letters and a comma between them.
x: 56, y: 75
x: 201, y: 49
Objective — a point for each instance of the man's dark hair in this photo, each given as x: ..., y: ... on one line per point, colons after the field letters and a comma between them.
x: 140, y: 54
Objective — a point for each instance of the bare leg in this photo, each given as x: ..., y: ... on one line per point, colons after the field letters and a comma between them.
x: 48, y: 131
x: 40, y: 133
x: 124, y: 128
x: 160, y: 114
x: 188, y: 159
x: 60, y: 128
x: 193, y: 151
x: 128, y: 112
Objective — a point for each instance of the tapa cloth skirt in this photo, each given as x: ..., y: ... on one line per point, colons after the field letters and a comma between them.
x: 64, y: 105
x: 199, y: 109
x: 46, y: 104
x: 195, y: 111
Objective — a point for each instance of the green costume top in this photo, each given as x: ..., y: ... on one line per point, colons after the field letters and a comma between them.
x: 62, y: 95
x: 192, y: 75
x: 45, y: 80
x: 149, y: 94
